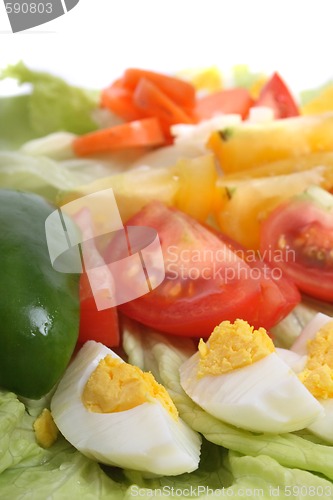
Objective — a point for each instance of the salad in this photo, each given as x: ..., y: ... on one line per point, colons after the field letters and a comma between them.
x: 214, y: 380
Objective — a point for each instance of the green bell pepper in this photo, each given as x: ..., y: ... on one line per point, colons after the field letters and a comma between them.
x: 39, y: 306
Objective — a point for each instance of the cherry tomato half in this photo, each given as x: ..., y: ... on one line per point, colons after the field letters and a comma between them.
x: 298, y: 237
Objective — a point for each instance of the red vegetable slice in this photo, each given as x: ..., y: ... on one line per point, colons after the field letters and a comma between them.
x: 206, y: 281
x: 101, y: 326
x: 237, y: 100
x: 276, y: 95
x: 153, y: 102
x: 298, y: 238
x: 119, y: 100
x: 139, y: 133
x: 179, y: 91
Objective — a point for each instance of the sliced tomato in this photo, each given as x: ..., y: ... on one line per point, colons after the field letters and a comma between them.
x: 154, y: 102
x: 276, y: 95
x: 101, y: 326
x: 236, y: 100
x: 119, y: 100
x: 139, y: 133
x: 279, y: 294
x: 298, y: 238
x: 179, y: 91
x: 206, y: 281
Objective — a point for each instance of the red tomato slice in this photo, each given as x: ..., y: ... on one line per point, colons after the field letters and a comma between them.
x: 154, y: 102
x: 279, y: 294
x: 179, y: 91
x: 205, y: 281
x: 237, y: 100
x: 276, y: 95
x: 101, y: 326
x: 298, y: 238
x: 119, y: 100
x: 139, y: 133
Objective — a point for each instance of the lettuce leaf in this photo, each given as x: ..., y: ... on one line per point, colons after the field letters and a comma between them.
x: 52, y: 105
x: 244, y: 77
x: 251, y: 477
x: 45, y: 176
x: 309, y: 95
x: 286, y: 331
x: 29, y: 471
x: 15, y: 125
x: 16, y: 445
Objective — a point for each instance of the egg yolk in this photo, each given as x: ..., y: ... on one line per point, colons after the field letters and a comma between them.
x: 46, y: 431
x: 317, y: 375
x: 231, y: 346
x: 118, y: 386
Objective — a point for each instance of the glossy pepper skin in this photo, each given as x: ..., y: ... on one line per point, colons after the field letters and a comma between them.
x: 39, y: 306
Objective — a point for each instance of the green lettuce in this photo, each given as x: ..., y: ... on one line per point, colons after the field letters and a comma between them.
x: 309, y: 95
x: 244, y: 77
x: 46, y: 176
x: 52, y: 105
x: 224, y: 474
x: 15, y: 123
x: 29, y: 471
x: 286, y: 331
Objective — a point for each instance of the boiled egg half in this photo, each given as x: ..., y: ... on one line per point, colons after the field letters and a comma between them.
x: 315, y: 347
x: 238, y: 377
x: 119, y: 415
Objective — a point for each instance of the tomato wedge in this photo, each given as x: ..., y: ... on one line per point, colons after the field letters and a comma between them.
x: 179, y: 91
x: 206, y: 281
x: 276, y: 95
x: 279, y: 294
x: 298, y: 238
x: 139, y: 133
x: 101, y: 326
x: 236, y: 100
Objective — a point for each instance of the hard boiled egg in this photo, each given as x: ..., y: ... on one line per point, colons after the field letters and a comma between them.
x: 316, y: 343
x: 238, y: 377
x: 115, y: 413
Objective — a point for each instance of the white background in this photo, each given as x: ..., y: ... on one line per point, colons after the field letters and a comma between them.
x: 98, y: 38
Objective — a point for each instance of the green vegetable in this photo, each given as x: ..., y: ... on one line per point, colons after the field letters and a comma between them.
x: 286, y: 332
x: 308, y: 95
x: 15, y: 125
x: 244, y: 77
x: 39, y: 307
x: 31, y: 472
x: 43, y: 175
x: 47, y: 167
x: 52, y: 105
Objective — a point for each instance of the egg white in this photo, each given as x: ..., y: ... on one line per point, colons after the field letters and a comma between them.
x: 145, y: 438
x: 323, y: 425
x: 265, y: 396
x: 309, y: 332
